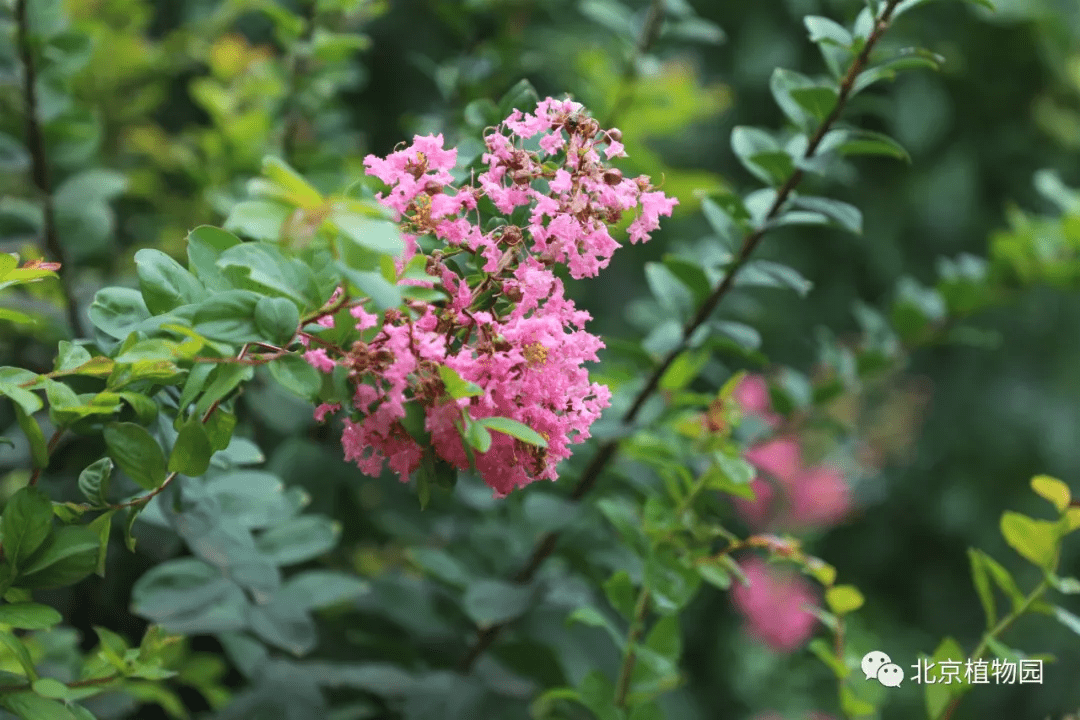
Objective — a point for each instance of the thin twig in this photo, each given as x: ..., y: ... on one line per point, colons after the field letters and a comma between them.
x: 89, y: 682
x: 750, y: 243
x: 35, y: 140
x: 48, y: 452
x: 637, y: 626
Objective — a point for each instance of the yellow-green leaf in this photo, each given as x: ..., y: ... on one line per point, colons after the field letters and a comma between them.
x: 1053, y: 490
x: 844, y: 599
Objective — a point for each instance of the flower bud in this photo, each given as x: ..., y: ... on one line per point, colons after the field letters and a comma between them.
x: 512, y: 293
x: 613, y: 176
x: 511, y: 236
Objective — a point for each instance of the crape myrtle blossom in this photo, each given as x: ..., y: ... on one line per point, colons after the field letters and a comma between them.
x: 790, y: 495
x: 776, y: 605
x: 507, y: 329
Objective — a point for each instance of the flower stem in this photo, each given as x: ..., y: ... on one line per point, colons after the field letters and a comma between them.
x: 637, y: 627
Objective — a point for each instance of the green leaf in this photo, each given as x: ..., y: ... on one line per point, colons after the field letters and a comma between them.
x: 1052, y: 490
x: 54, y: 689
x: 690, y: 274
x: 821, y: 648
x: 277, y: 319
x: 712, y: 573
x: 981, y: 579
x: 29, y: 616
x: 385, y: 294
x: 725, y: 221
x: 826, y: 30
x: 380, y: 236
x: 285, y: 626
x: 137, y: 453
x: 10, y: 380
x: 69, y: 355
x: 741, y: 334
x: 1035, y: 540
x: 762, y: 155
x: 165, y: 284
x: 196, y: 381
x: 840, y: 213
x: 863, y: 142
x: 1067, y: 619
x: 491, y: 602
x: 94, y: 481
x: 908, y: 59
x: 192, y: 450
x: 478, y: 437
x: 316, y: 589
x: 227, y: 378
x: 22, y: 655
x: 771, y: 274
x: 665, y: 638
x: 939, y: 695
x: 39, y: 448
x: 522, y: 96
x: 301, y: 192
x: 594, y: 618
x: 264, y: 265
x: 102, y: 525
x: 621, y: 593
x: 806, y: 102
x: 457, y: 387
x: 189, y: 596
x: 675, y: 297
x: 852, y: 705
x: 1004, y: 580
x: 26, y: 523
x: 522, y: 432
x: 844, y: 599
x: 70, y: 554
x: 258, y: 219
x: 204, y: 245
x: 907, y: 5
x: 613, y: 16
x: 131, y: 514
x: 228, y: 316
x: 299, y: 539
x: 146, y: 410
x: 296, y: 375
x: 117, y: 310
x: 818, y: 101
x: 598, y: 694
x: 31, y: 706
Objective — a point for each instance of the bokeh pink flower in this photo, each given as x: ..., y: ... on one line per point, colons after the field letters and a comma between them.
x: 774, y: 605
x: 789, y: 494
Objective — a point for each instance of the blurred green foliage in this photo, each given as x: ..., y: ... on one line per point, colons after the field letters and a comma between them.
x: 157, y: 117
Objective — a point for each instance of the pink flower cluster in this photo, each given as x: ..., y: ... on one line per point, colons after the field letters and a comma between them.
x: 508, y: 329
x: 774, y: 605
x: 789, y: 494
